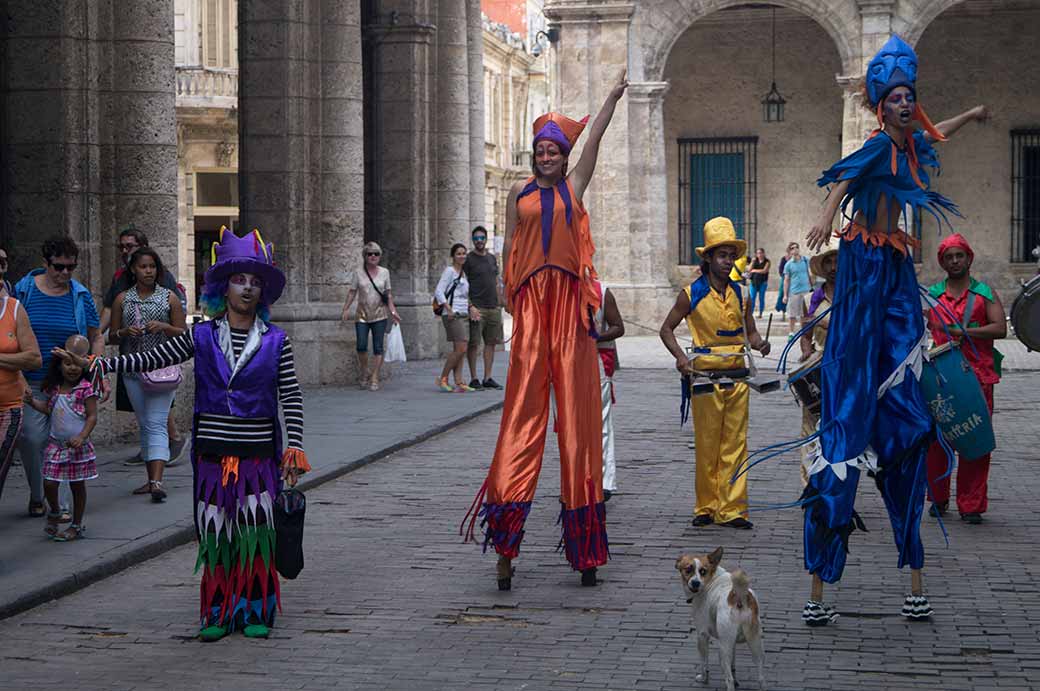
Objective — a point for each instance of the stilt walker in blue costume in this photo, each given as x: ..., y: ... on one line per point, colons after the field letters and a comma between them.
x: 873, y: 415
x: 243, y: 369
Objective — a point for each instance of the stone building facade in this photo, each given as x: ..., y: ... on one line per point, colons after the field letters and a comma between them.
x: 516, y: 91
x: 345, y: 122
x: 690, y: 140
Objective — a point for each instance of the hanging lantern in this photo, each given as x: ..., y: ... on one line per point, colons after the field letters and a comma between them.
x: 773, y: 103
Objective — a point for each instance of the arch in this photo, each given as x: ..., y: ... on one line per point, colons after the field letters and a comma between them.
x: 843, y: 30
x: 925, y: 16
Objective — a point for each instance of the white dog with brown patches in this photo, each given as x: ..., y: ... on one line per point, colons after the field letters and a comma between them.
x: 724, y: 608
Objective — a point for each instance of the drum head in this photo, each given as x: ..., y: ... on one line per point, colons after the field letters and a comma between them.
x: 1025, y: 314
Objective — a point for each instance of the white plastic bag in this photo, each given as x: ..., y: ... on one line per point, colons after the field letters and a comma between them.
x: 395, y: 346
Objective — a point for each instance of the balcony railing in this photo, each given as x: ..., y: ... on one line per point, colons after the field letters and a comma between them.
x: 207, y: 87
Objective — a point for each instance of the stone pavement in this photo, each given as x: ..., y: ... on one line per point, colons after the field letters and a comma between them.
x: 125, y: 529
x: 391, y: 599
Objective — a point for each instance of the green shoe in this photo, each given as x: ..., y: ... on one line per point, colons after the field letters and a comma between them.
x: 212, y: 633
x: 256, y: 631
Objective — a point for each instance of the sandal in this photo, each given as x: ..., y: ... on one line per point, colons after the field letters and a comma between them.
x: 157, y: 491
x: 73, y: 532
x: 374, y: 386
x: 146, y: 488
x: 36, y: 509
x: 53, y: 521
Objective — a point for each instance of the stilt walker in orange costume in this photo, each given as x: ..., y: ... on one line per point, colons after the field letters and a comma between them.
x: 550, y: 291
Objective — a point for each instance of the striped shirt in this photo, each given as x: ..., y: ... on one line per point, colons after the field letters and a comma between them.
x: 53, y: 320
x: 225, y: 435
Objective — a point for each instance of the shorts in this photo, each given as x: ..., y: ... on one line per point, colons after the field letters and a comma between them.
x: 378, y: 331
x: 488, y: 329
x: 796, y: 306
x: 457, y: 328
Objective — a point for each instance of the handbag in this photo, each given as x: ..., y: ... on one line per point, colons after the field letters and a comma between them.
x: 438, y: 309
x: 160, y: 380
x: 290, y: 506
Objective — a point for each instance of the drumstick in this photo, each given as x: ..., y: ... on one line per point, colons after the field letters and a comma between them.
x: 769, y: 325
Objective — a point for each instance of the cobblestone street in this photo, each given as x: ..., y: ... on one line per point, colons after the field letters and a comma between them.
x: 391, y: 598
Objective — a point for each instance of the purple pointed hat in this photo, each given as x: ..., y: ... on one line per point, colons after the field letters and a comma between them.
x: 246, y: 255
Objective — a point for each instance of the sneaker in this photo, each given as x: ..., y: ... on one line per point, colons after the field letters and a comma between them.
x: 465, y: 387
x: 459, y: 388
x: 972, y: 518
x: 691, y: 445
x: 136, y: 460
x: 607, y: 494
x: 740, y: 523
x: 444, y: 386
x: 490, y: 383
x: 818, y: 614
x: 476, y: 385
x: 916, y: 608
x: 703, y: 519
x: 938, y: 508
x: 588, y: 577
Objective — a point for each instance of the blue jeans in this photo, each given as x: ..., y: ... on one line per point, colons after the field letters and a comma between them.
x: 152, y: 409
x: 758, y: 293
x: 378, y: 331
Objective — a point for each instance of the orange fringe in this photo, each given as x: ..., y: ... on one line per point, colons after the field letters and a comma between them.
x: 296, y: 459
x: 899, y: 240
x: 229, y: 466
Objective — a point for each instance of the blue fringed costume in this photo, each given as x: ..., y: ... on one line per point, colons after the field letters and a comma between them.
x: 873, y: 415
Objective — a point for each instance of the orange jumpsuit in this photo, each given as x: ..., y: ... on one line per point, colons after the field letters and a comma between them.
x: 549, y: 288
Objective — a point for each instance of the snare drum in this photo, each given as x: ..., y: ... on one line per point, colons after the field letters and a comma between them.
x: 1025, y: 314
x: 805, y: 383
x: 955, y: 399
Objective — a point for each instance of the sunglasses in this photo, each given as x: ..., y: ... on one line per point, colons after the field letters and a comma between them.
x: 61, y: 268
x: 479, y: 238
x: 372, y: 254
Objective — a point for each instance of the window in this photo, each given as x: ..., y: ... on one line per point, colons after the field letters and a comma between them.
x: 220, y: 34
x: 717, y: 177
x: 1025, y: 194
x: 216, y: 189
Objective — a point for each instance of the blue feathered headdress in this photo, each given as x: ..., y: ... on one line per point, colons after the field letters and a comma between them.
x: 894, y: 65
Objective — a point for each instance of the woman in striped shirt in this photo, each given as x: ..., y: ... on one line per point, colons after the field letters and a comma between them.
x: 243, y: 370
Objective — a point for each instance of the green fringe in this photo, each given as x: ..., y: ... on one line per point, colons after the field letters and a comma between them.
x: 246, y: 543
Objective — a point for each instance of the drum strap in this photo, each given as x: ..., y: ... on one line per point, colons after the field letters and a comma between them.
x: 967, y: 311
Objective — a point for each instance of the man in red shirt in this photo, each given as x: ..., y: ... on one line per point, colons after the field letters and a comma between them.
x: 981, y: 317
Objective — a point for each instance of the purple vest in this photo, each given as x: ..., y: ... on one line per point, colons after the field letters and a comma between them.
x: 253, y: 393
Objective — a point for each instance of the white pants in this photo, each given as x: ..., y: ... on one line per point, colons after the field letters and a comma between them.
x: 609, y: 469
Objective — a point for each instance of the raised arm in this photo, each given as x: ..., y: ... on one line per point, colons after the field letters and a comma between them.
x: 166, y: 354
x: 582, y: 173
x: 948, y: 127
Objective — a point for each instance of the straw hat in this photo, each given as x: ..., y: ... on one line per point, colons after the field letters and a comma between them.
x: 816, y: 262
x: 720, y: 231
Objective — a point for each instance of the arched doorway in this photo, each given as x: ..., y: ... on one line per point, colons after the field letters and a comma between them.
x: 980, y: 52
x: 720, y: 156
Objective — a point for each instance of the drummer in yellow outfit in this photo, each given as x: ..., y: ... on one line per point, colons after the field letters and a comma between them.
x: 719, y: 319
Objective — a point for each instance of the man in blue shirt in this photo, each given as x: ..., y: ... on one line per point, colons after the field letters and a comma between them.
x: 796, y: 286
x: 57, y: 307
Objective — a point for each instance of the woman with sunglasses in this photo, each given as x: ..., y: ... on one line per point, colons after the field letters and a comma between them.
x: 18, y: 351
x: 371, y: 286
x: 57, y: 307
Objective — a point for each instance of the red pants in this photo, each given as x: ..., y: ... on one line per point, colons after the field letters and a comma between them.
x: 550, y: 347
x: 972, y: 475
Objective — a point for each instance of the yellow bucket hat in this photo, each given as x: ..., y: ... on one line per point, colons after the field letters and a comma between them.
x: 720, y: 231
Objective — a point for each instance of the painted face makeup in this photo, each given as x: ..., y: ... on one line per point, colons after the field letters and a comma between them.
x: 244, y: 292
x: 900, y: 106
x: 548, y: 158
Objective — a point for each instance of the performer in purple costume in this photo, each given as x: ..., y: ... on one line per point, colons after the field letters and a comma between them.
x: 243, y: 368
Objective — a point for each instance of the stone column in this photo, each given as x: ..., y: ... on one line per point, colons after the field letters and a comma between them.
x: 857, y: 121
x: 453, y: 139
x: 46, y: 137
x: 589, y: 57
x: 475, y: 45
x: 649, y: 291
x: 877, y: 25
x: 401, y: 158
x: 144, y: 125
x: 301, y: 170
